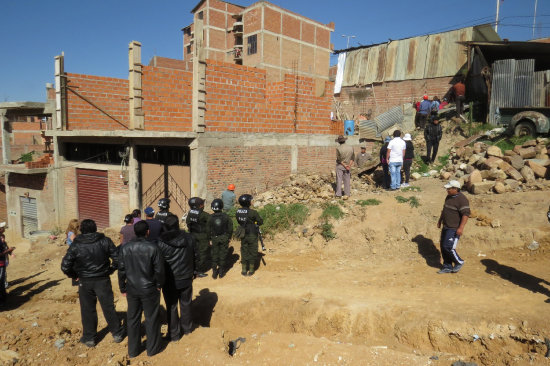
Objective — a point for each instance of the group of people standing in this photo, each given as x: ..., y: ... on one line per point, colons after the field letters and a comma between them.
x: 154, y: 255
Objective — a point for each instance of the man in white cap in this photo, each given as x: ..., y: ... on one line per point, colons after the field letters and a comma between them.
x: 454, y: 216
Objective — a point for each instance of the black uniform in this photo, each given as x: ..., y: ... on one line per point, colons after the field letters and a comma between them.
x: 89, y: 259
x: 162, y: 215
x: 249, y: 219
x: 220, y: 229
x: 197, y: 221
x: 432, y: 134
x: 178, y: 249
x: 140, y: 276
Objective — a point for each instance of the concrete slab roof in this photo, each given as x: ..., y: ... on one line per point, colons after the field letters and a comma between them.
x: 22, y: 105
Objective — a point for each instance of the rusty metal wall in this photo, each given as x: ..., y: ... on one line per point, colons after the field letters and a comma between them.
x: 431, y: 56
x: 516, y: 85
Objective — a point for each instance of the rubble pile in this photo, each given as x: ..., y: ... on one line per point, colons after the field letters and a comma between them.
x: 307, y: 188
x: 483, y: 168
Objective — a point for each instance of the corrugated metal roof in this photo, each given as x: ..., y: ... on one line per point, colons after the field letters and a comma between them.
x: 430, y: 56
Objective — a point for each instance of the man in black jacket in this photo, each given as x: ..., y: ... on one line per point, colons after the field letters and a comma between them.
x: 140, y: 277
x: 87, y: 261
x: 432, y: 134
x: 178, y: 250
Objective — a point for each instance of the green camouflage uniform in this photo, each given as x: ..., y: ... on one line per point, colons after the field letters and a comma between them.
x: 197, y: 223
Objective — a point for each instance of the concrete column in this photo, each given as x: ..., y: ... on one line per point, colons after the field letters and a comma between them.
x: 133, y: 177
x: 199, y: 164
x: 60, y: 93
x: 294, y: 159
x: 137, y: 118
x: 199, y: 77
x: 6, y: 147
x: 57, y: 182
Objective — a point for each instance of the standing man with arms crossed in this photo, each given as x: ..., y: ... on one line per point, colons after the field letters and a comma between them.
x: 344, y: 162
x: 454, y: 216
x: 90, y: 260
x: 140, y: 278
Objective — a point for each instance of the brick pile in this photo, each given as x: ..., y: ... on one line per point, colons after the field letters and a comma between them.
x: 44, y: 161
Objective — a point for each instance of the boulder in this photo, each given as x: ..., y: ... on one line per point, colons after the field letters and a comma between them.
x: 481, y: 187
x: 539, y: 170
x: 468, y: 151
x: 527, y: 174
x: 416, y: 176
x: 446, y: 175
x: 492, y: 162
x: 512, y: 184
x: 497, y: 174
x: 516, y: 161
x: 494, y: 151
x: 469, y: 169
x: 499, y: 188
x: 462, y: 166
x: 433, y: 173
x: 527, y: 153
x: 517, y: 149
x: 509, y: 153
x: 479, y: 147
x: 484, y: 174
x: 514, y: 174
x: 475, y: 177
x: 529, y: 143
x: 473, y: 159
x: 504, y: 166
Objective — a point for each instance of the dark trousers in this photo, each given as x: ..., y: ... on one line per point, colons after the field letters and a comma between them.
x: 220, y: 245
x: 148, y: 303
x: 3, y: 293
x: 386, y: 181
x: 448, y: 244
x: 249, y: 252
x: 460, y: 104
x: 182, y: 323
x: 407, y: 169
x: 203, y: 248
x: 89, y: 291
x: 429, y: 146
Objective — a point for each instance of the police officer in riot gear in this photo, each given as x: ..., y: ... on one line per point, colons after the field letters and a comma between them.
x: 249, y: 220
x: 220, y: 229
x: 164, y: 207
x: 197, y: 221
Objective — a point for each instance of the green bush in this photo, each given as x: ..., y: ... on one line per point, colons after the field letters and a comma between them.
x: 282, y: 217
x: 476, y: 128
x: 327, y: 232
x: 413, y: 201
x: 331, y: 210
x: 508, y: 143
x: 27, y: 157
x: 369, y: 202
x: 419, y: 165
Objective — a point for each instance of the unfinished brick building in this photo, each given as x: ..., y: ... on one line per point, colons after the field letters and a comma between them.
x: 262, y: 35
x: 168, y: 131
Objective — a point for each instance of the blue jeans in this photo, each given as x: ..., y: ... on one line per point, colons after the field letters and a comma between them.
x: 395, y: 174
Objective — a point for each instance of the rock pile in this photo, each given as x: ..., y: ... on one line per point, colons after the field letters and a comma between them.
x: 307, y: 187
x: 482, y: 168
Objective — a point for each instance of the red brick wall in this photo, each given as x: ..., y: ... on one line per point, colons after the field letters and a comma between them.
x: 251, y: 169
x: 109, y: 94
x: 320, y: 159
x: 238, y: 99
x: 70, y: 203
x: 167, y: 99
x: 390, y: 94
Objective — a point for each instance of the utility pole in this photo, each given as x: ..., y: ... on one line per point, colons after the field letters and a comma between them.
x: 348, y: 37
x: 498, y: 10
x: 535, y: 19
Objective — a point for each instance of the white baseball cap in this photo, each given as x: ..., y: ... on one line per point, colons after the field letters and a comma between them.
x: 2, y: 224
x: 452, y: 184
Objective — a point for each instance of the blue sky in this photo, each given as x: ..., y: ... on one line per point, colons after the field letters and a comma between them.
x: 94, y: 34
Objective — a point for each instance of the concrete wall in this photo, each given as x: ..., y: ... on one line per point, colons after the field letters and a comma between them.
x: 38, y: 186
x: 3, y: 207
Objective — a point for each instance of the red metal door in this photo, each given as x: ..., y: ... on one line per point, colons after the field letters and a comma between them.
x: 93, y: 196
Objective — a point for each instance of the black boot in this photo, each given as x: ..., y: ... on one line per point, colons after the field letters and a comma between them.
x: 215, y: 272
x: 221, y: 272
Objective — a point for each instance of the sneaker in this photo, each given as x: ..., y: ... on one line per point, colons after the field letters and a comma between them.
x: 202, y: 275
x: 444, y: 270
x: 222, y: 274
x: 243, y: 273
x: 250, y: 273
x: 118, y: 338
x: 214, y: 274
x: 457, y: 268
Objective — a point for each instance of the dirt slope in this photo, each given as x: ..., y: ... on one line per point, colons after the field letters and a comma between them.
x: 369, y: 297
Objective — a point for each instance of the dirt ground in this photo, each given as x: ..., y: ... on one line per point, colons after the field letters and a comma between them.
x: 369, y: 297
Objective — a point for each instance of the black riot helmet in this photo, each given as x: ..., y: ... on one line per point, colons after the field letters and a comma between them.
x: 217, y: 205
x: 245, y: 200
x: 164, y: 203
x: 195, y: 202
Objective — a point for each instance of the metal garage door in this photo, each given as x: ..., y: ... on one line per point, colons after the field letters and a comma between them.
x: 93, y: 196
x: 29, y: 217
